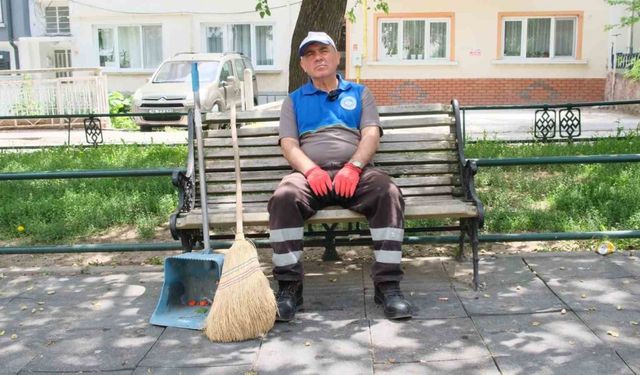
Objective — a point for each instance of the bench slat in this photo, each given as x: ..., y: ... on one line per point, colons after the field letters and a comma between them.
x: 227, y: 152
x: 258, y: 196
x: 387, y: 138
x: 417, y: 122
x: 394, y: 110
x: 270, y: 186
x: 380, y: 159
x: 451, y: 208
x: 262, y: 205
x: 274, y: 114
x: 395, y: 171
x: 420, y: 121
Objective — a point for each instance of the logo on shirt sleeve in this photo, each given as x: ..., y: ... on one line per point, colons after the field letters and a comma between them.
x: 348, y: 102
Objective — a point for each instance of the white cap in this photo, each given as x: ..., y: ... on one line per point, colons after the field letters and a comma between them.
x: 315, y: 37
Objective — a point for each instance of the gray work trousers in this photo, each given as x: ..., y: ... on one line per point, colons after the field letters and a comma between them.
x: 376, y: 197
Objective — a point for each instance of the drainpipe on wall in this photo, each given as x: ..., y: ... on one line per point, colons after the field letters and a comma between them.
x: 10, y: 32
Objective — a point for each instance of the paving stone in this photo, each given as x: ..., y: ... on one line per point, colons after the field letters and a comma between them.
x: 495, y: 270
x: 426, y: 340
x: 423, y: 274
x: 85, y: 302
x: 317, y: 343
x: 550, y: 343
x: 607, y: 324
x: 15, y: 354
x: 628, y: 261
x: 523, y: 296
x: 333, y: 287
x: 221, y: 370
x: 598, y: 294
x: 95, y: 350
x: 440, y: 304
x: 484, y: 366
x: 583, y: 265
x: 179, y: 348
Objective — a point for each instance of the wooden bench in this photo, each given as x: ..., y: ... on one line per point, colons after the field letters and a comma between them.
x: 421, y: 149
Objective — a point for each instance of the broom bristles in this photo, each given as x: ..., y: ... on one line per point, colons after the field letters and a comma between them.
x: 244, y: 306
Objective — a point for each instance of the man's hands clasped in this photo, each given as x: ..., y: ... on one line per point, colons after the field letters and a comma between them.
x: 344, y: 182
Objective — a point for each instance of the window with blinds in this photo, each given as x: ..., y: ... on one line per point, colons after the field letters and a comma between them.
x: 57, y: 19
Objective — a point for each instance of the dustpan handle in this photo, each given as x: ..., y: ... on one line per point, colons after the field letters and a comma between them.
x: 197, y: 116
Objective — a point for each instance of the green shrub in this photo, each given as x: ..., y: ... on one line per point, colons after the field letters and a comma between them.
x: 119, y: 103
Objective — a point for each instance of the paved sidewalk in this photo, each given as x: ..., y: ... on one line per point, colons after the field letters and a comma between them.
x: 558, y: 313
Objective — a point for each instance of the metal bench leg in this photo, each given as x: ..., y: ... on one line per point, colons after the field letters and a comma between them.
x: 330, y: 253
x: 473, y: 234
x: 463, y: 229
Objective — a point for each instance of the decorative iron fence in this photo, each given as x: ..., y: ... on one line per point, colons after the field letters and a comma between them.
x: 624, y: 60
x: 550, y: 121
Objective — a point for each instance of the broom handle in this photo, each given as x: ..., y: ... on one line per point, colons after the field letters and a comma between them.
x: 236, y: 159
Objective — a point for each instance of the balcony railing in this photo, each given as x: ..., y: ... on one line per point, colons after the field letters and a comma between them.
x: 40, y: 92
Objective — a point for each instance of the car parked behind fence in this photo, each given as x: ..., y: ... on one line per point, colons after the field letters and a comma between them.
x: 169, y: 90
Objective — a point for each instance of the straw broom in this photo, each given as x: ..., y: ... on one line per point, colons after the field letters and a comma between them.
x: 244, y: 306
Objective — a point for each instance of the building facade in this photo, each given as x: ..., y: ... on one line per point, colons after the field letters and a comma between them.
x: 130, y: 39
x: 488, y: 52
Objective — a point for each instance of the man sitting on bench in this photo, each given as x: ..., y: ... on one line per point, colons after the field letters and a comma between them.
x: 329, y: 133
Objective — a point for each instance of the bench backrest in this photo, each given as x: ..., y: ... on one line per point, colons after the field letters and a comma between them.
x: 420, y: 149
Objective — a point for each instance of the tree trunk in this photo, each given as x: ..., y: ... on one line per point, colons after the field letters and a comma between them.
x: 315, y: 15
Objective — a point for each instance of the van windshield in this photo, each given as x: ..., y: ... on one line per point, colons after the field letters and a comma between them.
x: 180, y: 71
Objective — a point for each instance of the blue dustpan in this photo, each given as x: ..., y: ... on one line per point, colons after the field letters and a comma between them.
x: 187, y: 277
x: 190, y: 276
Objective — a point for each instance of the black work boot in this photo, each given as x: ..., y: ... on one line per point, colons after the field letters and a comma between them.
x: 289, y: 298
x: 389, y: 295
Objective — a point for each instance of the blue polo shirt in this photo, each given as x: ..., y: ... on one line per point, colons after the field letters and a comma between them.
x: 315, y: 109
x: 328, y: 130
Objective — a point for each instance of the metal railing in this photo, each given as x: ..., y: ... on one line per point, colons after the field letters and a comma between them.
x: 261, y: 242
x: 551, y: 122
x: 624, y: 60
x: 92, y: 122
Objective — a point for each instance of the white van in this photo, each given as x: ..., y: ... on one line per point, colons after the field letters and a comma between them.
x: 169, y: 89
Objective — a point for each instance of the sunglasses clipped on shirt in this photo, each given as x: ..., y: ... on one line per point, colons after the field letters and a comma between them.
x: 333, y: 95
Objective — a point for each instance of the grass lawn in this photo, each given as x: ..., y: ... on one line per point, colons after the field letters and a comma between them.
x: 518, y: 199
x: 64, y: 211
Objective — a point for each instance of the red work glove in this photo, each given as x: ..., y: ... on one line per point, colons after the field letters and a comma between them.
x: 346, y: 180
x: 319, y: 180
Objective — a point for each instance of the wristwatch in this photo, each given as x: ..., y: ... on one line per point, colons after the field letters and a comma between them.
x: 357, y: 163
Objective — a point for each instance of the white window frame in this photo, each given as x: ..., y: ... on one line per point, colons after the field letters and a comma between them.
x: 427, y: 29
x: 552, y: 36
x: 227, y: 40
x: 116, y: 49
x: 1, y: 15
x: 58, y: 31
